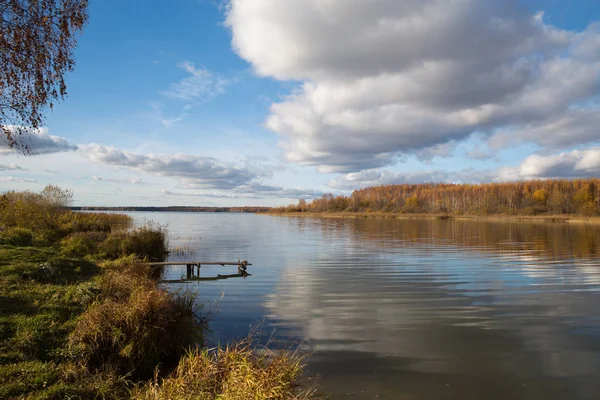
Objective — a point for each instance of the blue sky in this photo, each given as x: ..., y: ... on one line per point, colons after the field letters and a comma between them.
x: 264, y: 102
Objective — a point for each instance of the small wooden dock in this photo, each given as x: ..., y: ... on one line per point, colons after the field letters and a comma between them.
x: 242, y: 266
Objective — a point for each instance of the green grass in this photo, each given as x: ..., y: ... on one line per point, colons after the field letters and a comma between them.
x: 36, y: 314
x: 112, y: 323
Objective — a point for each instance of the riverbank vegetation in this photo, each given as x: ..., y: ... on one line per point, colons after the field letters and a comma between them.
x: 528, y: 198
x: 82, y: 318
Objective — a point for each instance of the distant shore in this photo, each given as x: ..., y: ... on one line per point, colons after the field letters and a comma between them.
x: 245, y: 209
x: 492, y: 217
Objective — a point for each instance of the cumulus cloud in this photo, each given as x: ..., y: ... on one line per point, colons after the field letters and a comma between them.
x: 565, y: 130
x: 383, y: 78
x: 564, y: 165
x: 206, y: 172
x: 377, y: 177
x: 587, y: 44
x: 573, y: 164
x: 35, y: 141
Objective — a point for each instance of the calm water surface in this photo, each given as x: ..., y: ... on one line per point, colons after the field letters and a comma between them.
x: 410, y: 309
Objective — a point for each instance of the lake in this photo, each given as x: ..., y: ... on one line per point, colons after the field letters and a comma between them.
x: 408, y: 309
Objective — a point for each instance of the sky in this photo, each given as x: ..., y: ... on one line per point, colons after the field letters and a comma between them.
x: 265, y: 102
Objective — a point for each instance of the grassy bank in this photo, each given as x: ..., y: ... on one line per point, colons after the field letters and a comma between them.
x: 439, y: 216
x: 82, y: 318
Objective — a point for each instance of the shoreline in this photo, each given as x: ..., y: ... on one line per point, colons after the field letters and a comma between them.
x: 570, y: 219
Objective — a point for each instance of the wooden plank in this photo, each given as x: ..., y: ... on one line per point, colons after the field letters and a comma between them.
x: 196, y: 263
x: 200, y: 279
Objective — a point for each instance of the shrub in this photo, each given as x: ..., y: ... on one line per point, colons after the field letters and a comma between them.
x: 81, y: 244
x: 35, y: 211
x: 82, y: 222
x: 237, y: 372
x: 135, y: 327
x: 147, y: 241
x: 110, y: 248
x: 115, y: 221
x: 119, y: 285
x: 47, y: 215
x: 17, y: 237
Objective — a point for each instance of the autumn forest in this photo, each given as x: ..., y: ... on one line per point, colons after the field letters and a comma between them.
x: 556, y: 197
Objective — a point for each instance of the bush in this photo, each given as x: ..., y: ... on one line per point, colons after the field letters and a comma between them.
x: 82, y: 222
x: 34, y: 211
x: 46, y: 215
x: 237, y: 372
x: 118, y: 285
x: 81, y: 244
x: 135, y: 327
x: 17, y: 237
x: 145, y: 242
x: 148, y: 241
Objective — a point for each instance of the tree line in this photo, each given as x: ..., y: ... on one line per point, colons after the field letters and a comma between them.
x: 579, y: 196
x: 244, y: 209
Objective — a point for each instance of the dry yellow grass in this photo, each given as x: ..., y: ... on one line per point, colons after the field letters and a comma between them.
x: 236, y: 372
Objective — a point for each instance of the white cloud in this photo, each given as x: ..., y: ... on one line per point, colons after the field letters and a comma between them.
x: 587, y: 44
x: 206, y: 172
x: 565, y: 130
x: 573, y: 164
x: 565, y: 165
x: 377, y: 177
x: 35, y: 141
x: 383, y: 78
x: 201, y: 84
